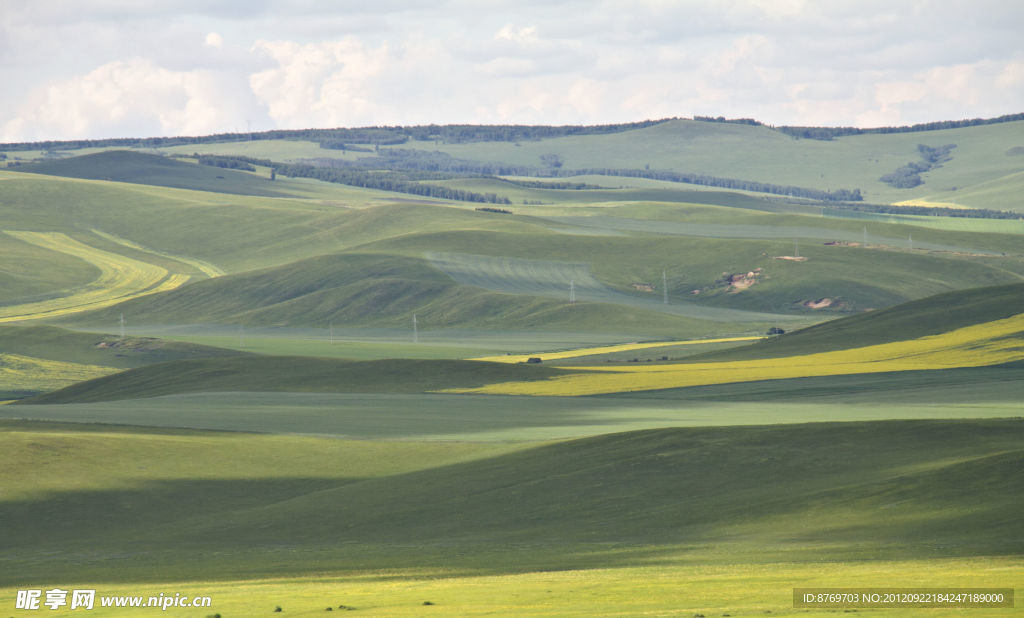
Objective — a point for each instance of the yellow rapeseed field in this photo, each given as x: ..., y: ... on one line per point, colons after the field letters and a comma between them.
x: 19, y: 372
x: 991, y: 343
x: 121, y: 278
x: 927, y: 204
x: 608, y: 349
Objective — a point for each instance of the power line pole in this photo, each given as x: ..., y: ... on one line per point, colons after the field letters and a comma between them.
x: 122, y: 326
x: 572, y: 291
x: 664, y: 286
x: 330, y: 329
x: 415, y: 330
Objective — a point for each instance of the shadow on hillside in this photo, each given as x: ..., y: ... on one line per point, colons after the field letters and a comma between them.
x: 817, y: 492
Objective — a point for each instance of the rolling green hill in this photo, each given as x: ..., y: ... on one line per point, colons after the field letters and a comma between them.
x: 379, y: 290
x: 983, y: 171
x: 762, y: 154
x: 232, y: 232
x: 292, y: 374
x: 980, y: 170
x: 37, y: 358
x: 696, y: 267
x: 819, y: 482
x: 149, y: 169
x: 928, y: 316
x: 54, y: 343
x: 730, y: 495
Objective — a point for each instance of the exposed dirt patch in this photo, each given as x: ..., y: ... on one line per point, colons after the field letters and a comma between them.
x: 821, y: 303
x: 737, y: 282
x: 131, y: 343
x: 643, y: 287
x: 791, y: 258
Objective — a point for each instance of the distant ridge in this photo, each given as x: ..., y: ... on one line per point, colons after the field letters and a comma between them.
x: 382, y: 135
x: 829, y: 133
x: 460, y: 133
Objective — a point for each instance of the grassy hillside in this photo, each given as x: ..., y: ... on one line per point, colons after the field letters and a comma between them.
x: 988, y: 393
x: 292, y: 374
x: 920, y: 318
x: 762, y: 154
x: 624, y: 248
x: 108, y: 350
x: 696, y: 267
x: 697, y: 484
x: 981, y: 345
x: 983, y: 171
x: 232, y: 232
x: 959, y: 392
x: 35, y: 359
x: 21, y: 267
x: 971, y: 329
x: 799, y: 493
x: 149, y: 169
x: 380, y: 290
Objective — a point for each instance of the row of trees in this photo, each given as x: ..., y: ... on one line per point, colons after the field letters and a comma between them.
x: 829, y: 133
x: 548, y: 184
x: 967, y: 213
x: 723, y: 119
x: 230, y: 163
x: 407, y: 160
x: 839, y: 195
x: 386, y: 180
x: 909, y: 175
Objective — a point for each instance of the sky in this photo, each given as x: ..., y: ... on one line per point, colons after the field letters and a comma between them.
x: 88, y: 69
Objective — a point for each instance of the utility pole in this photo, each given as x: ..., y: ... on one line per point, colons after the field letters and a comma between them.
x: 415, y: 330
x: 572, y: 291
x: 664, y: 285
x: 330, y: 329
x: 122, y: 326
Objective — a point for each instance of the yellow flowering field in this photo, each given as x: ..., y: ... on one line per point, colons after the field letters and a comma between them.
x: 608, y: 349
x: 991, y: 343
x: 121, y: 278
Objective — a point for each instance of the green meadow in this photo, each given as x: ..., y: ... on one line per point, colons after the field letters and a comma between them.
x: 218, y: 382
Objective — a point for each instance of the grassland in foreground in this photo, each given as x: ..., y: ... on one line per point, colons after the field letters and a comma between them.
x: 303, y: 523
x: 666, y: 590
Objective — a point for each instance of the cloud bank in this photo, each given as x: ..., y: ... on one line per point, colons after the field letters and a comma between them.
x: 114, y: 68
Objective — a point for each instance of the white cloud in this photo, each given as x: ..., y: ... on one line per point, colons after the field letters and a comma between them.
x: 214, y: 39
x: 132, y: 97
x: 523, y: 36
x: 320, y: 84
